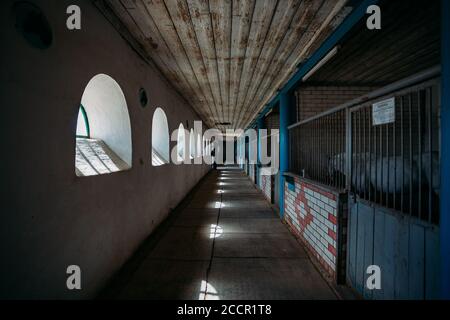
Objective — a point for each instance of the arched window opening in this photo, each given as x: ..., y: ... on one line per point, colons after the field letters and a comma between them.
x: 103, y: 137
x: 199, y: 145
x: 204, y: 146
x: 83, y: 130
x: 160, y: 138
x: 208, y: 147
x: 192, y: 144
x: 181, y: 141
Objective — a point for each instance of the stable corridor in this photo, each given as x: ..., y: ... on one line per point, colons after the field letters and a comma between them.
x: 223, y: 242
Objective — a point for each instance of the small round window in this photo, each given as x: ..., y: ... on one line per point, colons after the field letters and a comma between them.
x: 32, y: 24
x: 143, y: 99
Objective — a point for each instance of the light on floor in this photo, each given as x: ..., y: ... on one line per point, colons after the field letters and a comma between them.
x: 219, y: 205
x: 215, y: 231
x: 207, y: 292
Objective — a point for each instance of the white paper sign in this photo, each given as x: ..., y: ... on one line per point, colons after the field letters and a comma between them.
x: 383, y: 112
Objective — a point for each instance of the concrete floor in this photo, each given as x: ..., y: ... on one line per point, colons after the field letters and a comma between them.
x: 225, y: 242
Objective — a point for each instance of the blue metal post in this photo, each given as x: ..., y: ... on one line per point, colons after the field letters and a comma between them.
x: 259, y: 125
x: 445, y: 153
x: 285, y: 121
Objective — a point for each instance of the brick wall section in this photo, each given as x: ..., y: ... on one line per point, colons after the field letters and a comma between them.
x: 265, y: 185
x: 312, y: 214
x: 312, y: 100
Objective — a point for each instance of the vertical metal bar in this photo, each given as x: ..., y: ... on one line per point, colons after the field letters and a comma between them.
x: 342, y: 150
x: 313, y: 138
x: 323, y: 149
x: 320, y: 123
x: 331, y: 156
x: 314, y: 152
x: 330, y: 131
x: 320, y: 131
x: 305, y: 143
x: 335, y: 129
x: 419, y: 135
x: 381, y: 165
x: 348, y: 151
x: 330, y: 159
x: 370, y: 157
x: 375, y: 145
x: 300, y: 160
x: 307, y: 146
x: 402, y: 139
x: 305, y: 156
x: 315, y: 149
x: 394, y: 147
x: 310, y: 132
x: 388, y: 163
x: 410, y: 154
x: 359, y: 152
x: 430, y: 143
x: 355, y: 152
x: 365, y: 153
x: 353, y: 144
x: 318, y: 162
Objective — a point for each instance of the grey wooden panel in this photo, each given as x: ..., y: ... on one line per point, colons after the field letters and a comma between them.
x: 351, y: 244
x: 417, y: 262
x: 405, y: 249
x: 379, y: 252
x: 366, y: 215
x: 387, y: 264
x: 432, y: 263
x: 402, y: 259
x: 352, y: 236
x: 360, y: 248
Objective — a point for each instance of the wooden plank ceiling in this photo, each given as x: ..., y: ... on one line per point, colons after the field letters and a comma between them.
x: 227, y: 58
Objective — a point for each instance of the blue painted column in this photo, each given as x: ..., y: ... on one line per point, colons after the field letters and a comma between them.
x: 259, y: 125
x: 285, y: 121
x: 445, y: 153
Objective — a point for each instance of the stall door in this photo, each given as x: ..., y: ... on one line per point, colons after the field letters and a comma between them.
x: 394, y: 200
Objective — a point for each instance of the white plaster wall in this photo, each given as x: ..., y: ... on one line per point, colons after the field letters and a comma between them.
x: 49, y: 217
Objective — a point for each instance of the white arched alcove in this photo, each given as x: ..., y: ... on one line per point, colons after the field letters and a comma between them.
x: 199, y: 145
x: 106, y: 145
x: 160, y: 138
x: 107, y: 112
x: 181, y: 143
x: 192, y: 144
